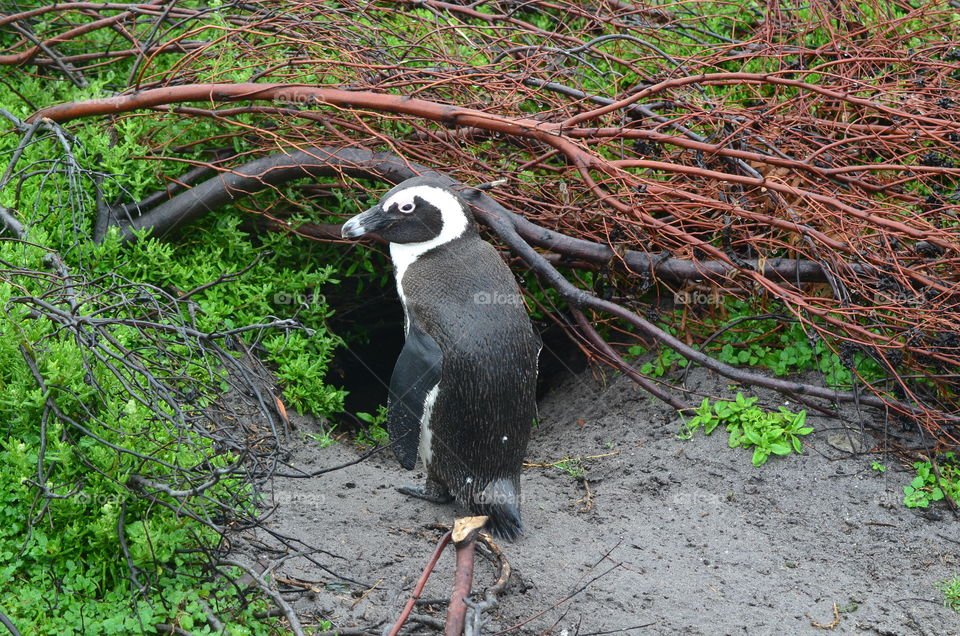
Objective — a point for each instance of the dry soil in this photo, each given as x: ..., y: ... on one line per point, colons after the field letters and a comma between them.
x: 664, y: 536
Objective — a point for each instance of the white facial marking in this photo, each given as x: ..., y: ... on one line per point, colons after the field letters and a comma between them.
x: 454, y: 224
x: 469, y: 480
x: 426, y: 435
x: 504, y: 439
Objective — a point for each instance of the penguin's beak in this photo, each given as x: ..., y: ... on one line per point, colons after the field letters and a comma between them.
x: 365, y: 223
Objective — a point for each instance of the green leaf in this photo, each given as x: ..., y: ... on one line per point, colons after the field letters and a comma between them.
x: 797, y: 444
x: 760, y: 456
x: 780, y: 448
x: 734, y: 440
x: 704, y: 408
x: 916, y: 500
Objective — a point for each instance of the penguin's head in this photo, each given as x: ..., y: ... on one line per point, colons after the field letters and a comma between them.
x: 418, y: 210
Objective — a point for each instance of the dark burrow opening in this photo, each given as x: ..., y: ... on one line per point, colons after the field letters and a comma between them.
x: 371, y: 324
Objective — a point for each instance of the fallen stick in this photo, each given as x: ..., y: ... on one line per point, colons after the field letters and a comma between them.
x: 418, y: 590
x: 465, y: 539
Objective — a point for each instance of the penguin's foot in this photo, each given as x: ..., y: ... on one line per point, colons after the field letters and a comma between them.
x: 434, y: 491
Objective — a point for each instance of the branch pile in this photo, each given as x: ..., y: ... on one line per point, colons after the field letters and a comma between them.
x: 802, y: 156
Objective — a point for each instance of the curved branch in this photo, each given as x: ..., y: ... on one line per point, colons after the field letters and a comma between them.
x: 280, y: 168
x: 552, y: 134
x: 355, y: 162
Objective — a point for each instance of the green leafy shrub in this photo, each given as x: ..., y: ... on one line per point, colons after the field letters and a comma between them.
x: 81, y: 551
x: 786, y: 348
x: 270, y: 283
x: 783, y: 347
x: 666, y: 359
x: 749, y: 426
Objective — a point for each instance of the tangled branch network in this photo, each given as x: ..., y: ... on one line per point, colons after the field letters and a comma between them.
x: 800, y: 156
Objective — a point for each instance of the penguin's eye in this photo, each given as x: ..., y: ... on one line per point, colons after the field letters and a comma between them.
x: 407, y: 208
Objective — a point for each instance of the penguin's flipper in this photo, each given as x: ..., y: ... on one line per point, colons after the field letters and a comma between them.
x: 415, y: 375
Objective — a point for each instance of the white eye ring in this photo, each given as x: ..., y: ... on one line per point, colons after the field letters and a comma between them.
x: 407, y: 208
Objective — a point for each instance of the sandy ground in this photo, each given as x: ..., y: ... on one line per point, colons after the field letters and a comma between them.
x: 667, y: 537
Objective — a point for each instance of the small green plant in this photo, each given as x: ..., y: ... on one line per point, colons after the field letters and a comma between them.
x: 782, y: 347
x: 375, y: 433
x: 951, y: 592
x: 573, y: 467
x: 769, y: 433
x: 664, y: 361
x: 927, y: 486
x: 325, y: 438
x: 877, y: 466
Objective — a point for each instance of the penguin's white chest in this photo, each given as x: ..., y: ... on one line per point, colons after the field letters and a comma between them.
x: 403, y: 256
x: 402, y: 259
x: 426, y: 433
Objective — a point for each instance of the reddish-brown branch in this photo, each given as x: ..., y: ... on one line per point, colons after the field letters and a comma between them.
x: 277, y: 169
x: 938, y: 238
x: 707, y: 79
x: 421, y: 583
x: 464, y: 534
x: 610, y: 357
x: 25, y: 56
x: 652, y: 179
x: 63, y: 7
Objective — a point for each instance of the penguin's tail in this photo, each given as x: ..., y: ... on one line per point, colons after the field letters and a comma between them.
x: 500, y: 501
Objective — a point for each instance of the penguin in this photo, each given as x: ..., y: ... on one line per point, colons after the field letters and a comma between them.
x: 462, y: 396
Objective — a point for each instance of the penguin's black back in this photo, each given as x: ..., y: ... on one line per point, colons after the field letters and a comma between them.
x: 465, y: 297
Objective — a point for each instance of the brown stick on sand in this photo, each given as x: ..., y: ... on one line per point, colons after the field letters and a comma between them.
x: 465, y: 539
